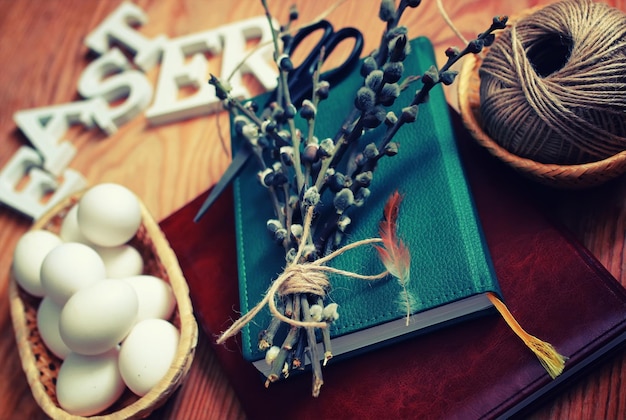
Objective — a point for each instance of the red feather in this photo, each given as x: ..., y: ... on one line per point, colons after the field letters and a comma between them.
x: 394, y: 254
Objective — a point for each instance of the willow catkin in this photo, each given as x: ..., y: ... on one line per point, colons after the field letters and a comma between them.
x: 553, y: 85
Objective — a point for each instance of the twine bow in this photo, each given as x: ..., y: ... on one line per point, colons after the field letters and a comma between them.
x: 309, y: 277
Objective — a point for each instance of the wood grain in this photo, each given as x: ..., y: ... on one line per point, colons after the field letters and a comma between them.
x: 42, y: 58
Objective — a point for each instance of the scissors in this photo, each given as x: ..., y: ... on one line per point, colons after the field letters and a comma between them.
x: 300, y: 82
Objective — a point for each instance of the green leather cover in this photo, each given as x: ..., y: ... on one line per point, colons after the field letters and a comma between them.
x: 437, y: 221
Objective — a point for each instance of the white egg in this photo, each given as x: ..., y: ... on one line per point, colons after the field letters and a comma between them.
x: 29, y: 253
x: 68, y: 268
x: 87, y: 385
x: 97, y: 318
x: 156, y: 299
x: 70, y: 232
x: 121, y: 261
x: 109, y: 214
x: 48, y: 315
x: 147, y: 354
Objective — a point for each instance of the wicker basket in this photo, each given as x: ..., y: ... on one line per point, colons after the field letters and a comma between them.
x: 41, y: 366
x: 561, y: 176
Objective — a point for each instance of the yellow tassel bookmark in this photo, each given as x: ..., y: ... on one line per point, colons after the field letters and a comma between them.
x: 550, y: 359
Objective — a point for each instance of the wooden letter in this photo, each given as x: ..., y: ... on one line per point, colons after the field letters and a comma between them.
x: 122, y: 82
x: 29, y: 200
x: 116, y: 26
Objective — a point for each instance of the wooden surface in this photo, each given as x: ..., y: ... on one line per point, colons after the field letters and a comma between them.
x: 42, y: 57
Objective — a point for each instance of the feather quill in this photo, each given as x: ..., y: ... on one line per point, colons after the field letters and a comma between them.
x: 394, y: 254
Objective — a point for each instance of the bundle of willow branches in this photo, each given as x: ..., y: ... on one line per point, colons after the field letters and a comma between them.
x: 298, y: 169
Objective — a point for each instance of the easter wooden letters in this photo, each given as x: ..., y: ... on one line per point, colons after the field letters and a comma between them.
x: 41, y: 171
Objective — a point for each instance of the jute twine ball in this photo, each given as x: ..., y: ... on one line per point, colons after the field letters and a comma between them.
x: 553, y: 85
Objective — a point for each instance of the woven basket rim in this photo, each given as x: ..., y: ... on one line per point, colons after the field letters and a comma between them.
x: 567, y: 176
x: 144, y: 405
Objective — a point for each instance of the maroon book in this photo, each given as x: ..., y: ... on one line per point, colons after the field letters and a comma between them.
x: 478, y: 368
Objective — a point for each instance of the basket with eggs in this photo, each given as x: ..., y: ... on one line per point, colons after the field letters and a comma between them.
x: 100, y: 308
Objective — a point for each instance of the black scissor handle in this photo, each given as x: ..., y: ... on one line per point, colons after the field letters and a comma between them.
x: 349, y: 63
x: 304, y: 33
x: 301, y: 77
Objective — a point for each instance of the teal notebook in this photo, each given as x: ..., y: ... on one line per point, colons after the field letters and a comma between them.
x: 451, y: 268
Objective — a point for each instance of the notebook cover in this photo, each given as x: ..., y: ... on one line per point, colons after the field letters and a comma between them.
x: 476, y: 369
x: 437, y: 220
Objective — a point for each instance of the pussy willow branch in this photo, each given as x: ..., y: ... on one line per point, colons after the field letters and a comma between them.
x: 314, y: 167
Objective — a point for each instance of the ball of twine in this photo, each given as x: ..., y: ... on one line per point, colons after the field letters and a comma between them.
x: 553, y: 85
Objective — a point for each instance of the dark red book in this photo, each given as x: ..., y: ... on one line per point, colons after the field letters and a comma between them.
x: 479, y: 368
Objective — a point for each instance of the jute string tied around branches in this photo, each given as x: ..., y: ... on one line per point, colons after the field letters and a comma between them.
x: 302, y: 278
x: 553, y: 86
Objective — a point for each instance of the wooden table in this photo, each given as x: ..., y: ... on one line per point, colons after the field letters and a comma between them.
x: 43, y: 55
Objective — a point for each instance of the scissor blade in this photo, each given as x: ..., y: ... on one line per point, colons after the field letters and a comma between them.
x: 239, y: 160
